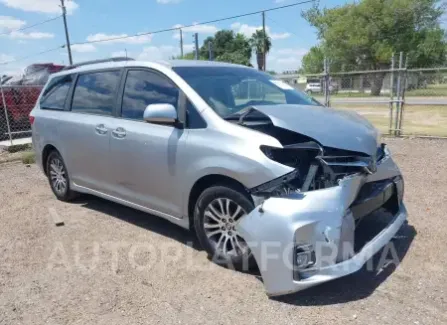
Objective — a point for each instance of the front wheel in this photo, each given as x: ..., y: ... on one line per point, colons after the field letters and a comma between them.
x: 216, y: 215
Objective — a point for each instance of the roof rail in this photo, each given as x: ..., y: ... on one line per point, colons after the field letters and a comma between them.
x: 117, y: 59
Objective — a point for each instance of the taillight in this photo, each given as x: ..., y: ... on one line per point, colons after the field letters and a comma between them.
x: 31, y: 119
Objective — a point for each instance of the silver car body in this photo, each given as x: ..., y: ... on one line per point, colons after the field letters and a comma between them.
x: 154, y: 168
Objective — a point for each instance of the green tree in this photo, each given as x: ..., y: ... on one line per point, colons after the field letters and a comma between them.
x: 227, y: 47
x: 260, y: 42
x: 364, y: 35
x: 313, y: 61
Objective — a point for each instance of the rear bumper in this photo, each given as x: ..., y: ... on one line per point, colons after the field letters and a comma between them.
x: 323, y: 220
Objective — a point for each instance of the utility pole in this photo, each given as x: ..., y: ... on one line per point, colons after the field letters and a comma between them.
x: 196, y: 45
x: 265, y: 40
x: 210, y: 51
x: 64, y: 16
x: 181, y: 43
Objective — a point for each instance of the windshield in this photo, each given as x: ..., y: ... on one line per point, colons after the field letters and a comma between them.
x: 228, y: 90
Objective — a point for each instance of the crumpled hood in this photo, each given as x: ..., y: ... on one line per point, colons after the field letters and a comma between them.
x: 329, y: 126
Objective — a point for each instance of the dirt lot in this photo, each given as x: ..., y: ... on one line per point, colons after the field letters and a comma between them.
x: 75, y: 274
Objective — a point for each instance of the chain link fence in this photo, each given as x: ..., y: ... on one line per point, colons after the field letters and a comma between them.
x: 16, y: 103
x: 398, y: 101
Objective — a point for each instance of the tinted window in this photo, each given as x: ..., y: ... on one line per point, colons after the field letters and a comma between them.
x: 56, y: 93
x: 193, y: 118
x: 95, y: 92
x: 144, y: 88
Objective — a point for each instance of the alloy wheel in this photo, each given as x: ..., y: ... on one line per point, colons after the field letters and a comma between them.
x: 58, y: 176
x: 220, y: 219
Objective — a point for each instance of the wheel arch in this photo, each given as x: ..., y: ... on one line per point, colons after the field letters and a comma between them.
x: 48, y: 148
x: 207, y: 181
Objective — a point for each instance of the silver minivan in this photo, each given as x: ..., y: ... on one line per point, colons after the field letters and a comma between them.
x: 263, y: 173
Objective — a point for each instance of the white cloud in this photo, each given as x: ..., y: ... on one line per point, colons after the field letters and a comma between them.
x: 276, y: 36
x: 284, y: 59
x: 164, y: 2
x: 156, y: 53
x: 6, y: 58
x: 111, y: 37
x: 83, y: 48
x: 245, y: 29
x: 201, y: 29
x: 45, y: 6
x: 119, y: 54
x: 31, y: 35
x: 248, y: 31
x: 235, y: 25
x: 188, y: 48
x: 8, y: 23
x: 290, y: 51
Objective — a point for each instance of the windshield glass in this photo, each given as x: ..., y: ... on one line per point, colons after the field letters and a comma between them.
x: 229, y: 90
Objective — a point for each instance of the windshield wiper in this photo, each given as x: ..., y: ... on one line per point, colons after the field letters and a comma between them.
x: 241, y: 115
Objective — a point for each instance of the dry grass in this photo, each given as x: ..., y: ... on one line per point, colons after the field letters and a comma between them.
x: 417, y: 119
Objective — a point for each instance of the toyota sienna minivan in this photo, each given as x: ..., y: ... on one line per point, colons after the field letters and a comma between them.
x: 262, y: 172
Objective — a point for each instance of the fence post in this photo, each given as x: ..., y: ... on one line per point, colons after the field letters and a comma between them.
x: 402, y: 105
x: 326, y: 87
x: 398, y: 91
x: 6, y: 114
x: 391, y: 95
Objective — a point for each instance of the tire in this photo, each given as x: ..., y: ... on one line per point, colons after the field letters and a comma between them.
x: 309, y: 92
x: 58, y: 177
x: 215, y: 226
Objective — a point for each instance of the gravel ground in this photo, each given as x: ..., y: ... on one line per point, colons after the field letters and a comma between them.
x: 91, y: 270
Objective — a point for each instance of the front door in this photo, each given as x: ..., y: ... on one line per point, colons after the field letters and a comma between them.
x: 146, y: 156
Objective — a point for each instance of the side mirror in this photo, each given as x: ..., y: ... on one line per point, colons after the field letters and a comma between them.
x: 164, y: 114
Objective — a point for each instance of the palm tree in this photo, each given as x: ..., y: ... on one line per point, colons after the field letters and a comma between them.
x: 259, y: 42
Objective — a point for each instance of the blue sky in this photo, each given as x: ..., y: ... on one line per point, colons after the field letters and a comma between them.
x: 99, y: 19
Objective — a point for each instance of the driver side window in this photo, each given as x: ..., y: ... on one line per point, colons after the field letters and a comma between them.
x: 143, y: 88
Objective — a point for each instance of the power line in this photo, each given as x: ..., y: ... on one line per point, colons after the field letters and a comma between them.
x: 31, y: 26
x: 197, y: 24
x: 32, y: 55
x: 148, y: 33
x: 278, y: 25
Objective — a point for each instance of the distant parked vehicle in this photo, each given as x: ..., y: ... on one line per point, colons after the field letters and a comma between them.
x: 21, y: 93
x: 314, y: 86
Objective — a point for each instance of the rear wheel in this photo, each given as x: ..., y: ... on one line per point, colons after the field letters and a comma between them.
x: 58, y: 177
x: 217, y: 213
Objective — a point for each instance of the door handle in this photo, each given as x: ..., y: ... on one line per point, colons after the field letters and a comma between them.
x: 101, y: 129
x: 119, y: 133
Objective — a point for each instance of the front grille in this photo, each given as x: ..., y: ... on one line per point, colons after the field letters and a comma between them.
x: 370, y: 226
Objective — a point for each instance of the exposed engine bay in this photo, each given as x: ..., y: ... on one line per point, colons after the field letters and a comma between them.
x: 340, y: 175
x: 316, y: 166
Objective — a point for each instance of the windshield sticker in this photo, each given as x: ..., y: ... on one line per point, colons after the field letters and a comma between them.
x: 281, y: 84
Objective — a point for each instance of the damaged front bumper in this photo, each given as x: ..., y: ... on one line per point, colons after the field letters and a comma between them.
x: 321, y: 225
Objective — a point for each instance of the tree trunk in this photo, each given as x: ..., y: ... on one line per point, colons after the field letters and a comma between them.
x: 260, y: 60
x: 376, y: 83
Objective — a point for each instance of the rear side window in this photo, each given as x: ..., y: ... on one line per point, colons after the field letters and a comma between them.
x: 144, y: 88
x: 95, y: 93
x: 55, y: 94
